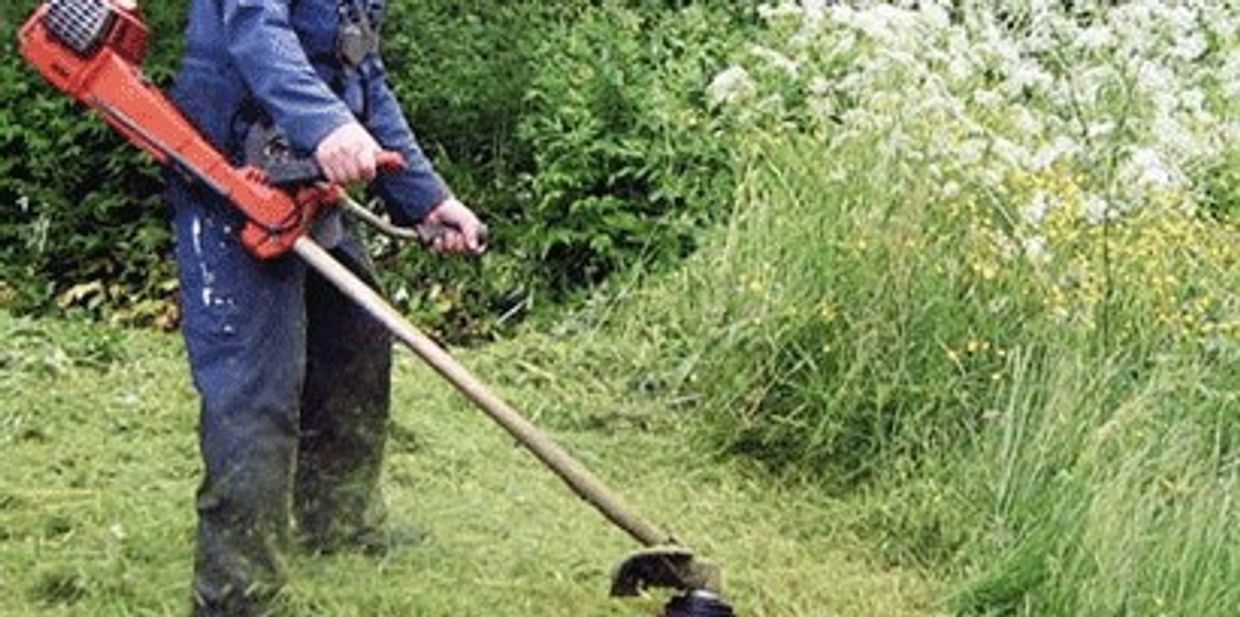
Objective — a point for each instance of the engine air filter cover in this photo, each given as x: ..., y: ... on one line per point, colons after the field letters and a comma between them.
x: 81, y: 25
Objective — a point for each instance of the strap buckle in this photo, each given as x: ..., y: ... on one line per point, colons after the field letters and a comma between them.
x: 358, y: 35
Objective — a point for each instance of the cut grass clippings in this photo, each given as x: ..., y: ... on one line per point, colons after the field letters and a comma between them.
x: 98, y: 428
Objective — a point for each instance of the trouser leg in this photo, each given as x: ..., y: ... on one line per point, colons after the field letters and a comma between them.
x: 344, y: 411
x: 244, y: 326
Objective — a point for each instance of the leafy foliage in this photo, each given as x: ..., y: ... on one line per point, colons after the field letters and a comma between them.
x: 586, y: 146
x: 983, y: 271
x: 578, y: 128
x: 79, y: 210
x: 628, y: 163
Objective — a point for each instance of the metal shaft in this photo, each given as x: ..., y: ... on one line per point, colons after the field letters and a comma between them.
x: 580, y: 479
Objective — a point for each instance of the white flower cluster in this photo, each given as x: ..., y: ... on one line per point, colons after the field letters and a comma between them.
x: 731, y: 87
x: 1136, y: 97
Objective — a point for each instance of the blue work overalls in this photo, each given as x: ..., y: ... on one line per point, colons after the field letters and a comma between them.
x: 293, y: 378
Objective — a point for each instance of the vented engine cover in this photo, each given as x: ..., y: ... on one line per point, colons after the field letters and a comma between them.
x: 82, y: 25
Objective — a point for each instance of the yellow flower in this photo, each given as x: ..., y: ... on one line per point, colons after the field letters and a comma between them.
x: 828, y: 311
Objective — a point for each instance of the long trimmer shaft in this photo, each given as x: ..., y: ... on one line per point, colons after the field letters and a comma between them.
x: 664, y: 564
x: 577, y: 476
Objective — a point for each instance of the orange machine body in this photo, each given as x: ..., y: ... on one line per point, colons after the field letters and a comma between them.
x: 111, y: 82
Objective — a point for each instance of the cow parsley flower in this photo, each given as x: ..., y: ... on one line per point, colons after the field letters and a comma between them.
x: 776, y: 59
x: 1146, y: 168
x: 1096, y: 38
x: 778, y: 12
x: 1036, y: 250
x: 1027, y: 74
x: 730, y: 87
x: 1037, y: 209
x: 1190, y: 47
x: 1097, y: 209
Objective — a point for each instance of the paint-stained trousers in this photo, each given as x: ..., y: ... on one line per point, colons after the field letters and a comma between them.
x: 294, y: 380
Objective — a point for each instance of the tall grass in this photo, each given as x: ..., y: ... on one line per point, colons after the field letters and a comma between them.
x: 833, y: 326
x: 844, y: 328
x: 1108, y: 487
x: 981, y: 279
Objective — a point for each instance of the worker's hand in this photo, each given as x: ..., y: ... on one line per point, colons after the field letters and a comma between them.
x: 457, y: 230
x: 347, y: 155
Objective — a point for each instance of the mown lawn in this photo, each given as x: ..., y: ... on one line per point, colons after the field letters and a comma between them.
x: 97, y: 427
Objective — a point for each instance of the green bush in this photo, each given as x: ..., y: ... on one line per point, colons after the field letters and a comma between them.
x: 576, y: 128
x: 628, y: 162
x: 81, y: 223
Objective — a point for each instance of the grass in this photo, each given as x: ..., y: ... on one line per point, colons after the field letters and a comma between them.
x: 100, y: 466
x: 969, y: 407
x: 945, y: 440
x: 845, y: 329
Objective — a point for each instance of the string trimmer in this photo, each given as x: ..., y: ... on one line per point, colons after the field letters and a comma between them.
x: 93, y: 51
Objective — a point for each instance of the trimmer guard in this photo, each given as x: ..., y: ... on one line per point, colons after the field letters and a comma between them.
x: 670, y: 567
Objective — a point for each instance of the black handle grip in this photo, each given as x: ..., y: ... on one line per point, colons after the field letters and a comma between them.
x: 297, y: 172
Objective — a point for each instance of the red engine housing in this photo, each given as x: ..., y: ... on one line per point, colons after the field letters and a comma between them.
x: 111, y: 82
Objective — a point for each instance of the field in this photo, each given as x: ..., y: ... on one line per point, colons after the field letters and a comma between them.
x: 96, y: 504
x: 890, y: 310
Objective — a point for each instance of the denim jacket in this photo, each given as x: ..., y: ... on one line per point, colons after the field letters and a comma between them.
x: 251, y: 60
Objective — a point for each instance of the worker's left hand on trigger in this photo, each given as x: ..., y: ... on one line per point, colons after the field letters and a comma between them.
x: 459, y: 231
x: 348, y: 155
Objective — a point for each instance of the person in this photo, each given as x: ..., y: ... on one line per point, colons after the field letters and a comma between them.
x: 293, y: 377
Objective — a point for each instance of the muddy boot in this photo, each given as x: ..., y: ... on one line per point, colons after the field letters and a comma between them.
x: 243, y: 529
